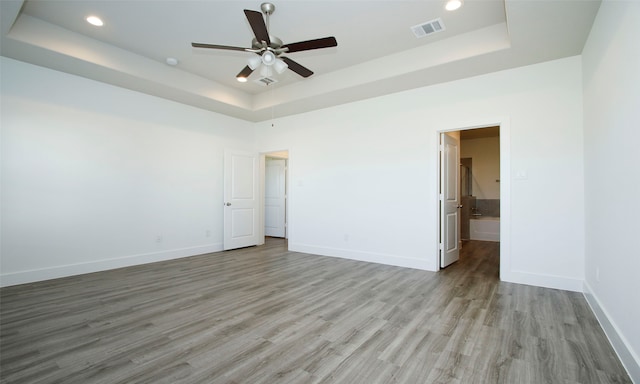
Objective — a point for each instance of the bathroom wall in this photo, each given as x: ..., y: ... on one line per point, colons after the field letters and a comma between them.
x: 465, y: 215
x: 488, y: 207
x: 485, y: 170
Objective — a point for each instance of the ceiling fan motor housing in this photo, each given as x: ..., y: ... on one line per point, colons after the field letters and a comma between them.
x: 276, y: 43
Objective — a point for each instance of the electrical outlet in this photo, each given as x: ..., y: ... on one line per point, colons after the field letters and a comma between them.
x: 207, y: 233
x: 159, y: 239
x: 597, y: 274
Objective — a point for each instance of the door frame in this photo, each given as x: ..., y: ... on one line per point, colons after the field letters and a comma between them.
x: 262, y: 166
x: 505, y: 185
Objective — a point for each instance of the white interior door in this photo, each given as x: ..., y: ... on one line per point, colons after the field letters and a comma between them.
x: 275, y: 198
x: 449, y: 199
x: 241, y: 202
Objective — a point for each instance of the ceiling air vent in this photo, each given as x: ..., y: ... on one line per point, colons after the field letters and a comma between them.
x: 266, y: 81
x: 424, y: 29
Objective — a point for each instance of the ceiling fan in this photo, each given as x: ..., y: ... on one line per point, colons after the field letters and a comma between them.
x: 270, y: 48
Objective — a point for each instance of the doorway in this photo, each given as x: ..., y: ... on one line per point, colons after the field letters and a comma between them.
x: 487, y: 190
x: 275, y: 207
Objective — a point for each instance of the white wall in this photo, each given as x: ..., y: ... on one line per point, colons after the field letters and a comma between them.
x: 365, y: 175
x: 93, y: 174
x: 611, y: 61
x: 485, y: 153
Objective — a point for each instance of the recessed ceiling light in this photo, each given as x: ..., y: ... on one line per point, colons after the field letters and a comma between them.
x: 241, y: 79
x: 452, y: 5
x: 172, y: 61
x: 95, y: 20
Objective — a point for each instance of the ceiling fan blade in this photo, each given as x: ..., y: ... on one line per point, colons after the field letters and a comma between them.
x: 245, y: 72
x: 215, y: 46
x: 324, y: 42
x: 258, y: 25
x: 297, y: 68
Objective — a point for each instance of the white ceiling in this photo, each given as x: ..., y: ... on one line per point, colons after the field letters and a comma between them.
x: 376, y: 54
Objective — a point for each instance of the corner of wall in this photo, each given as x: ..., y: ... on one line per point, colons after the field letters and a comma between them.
x: 620, y: 344
x: 545, y: 281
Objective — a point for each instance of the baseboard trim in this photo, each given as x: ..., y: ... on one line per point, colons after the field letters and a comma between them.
x: 620, y: 344
x: 371, y: 257
x: 30, y: 276
x: 546, y: 281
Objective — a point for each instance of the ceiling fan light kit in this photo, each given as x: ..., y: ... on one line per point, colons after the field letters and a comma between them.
x: 254, y: 62
x: 280, y: 65
x: 268, y: 58
x: 266, y: 71
x: 268, y: 49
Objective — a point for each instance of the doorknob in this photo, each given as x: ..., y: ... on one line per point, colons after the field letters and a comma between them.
x: 228, y: 204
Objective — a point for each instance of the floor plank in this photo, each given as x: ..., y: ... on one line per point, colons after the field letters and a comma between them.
x: 266, y: 315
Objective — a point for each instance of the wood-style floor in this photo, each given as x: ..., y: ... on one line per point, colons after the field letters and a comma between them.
x: 265, y: 315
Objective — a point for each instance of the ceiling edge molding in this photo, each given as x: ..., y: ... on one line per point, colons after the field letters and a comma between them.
x: 31, y: 37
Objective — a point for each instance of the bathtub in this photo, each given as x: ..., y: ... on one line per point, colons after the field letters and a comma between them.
x: 485, y: 228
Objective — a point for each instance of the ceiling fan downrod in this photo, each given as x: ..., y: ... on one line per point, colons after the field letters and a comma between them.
x: 267, y: 9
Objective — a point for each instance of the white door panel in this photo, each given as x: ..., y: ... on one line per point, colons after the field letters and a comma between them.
x: 449, y: 200
x: 240, y: 199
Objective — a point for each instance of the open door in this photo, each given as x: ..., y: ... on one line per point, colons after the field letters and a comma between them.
x: 241, y: 202
x: 449, y: 199
x: 275, y: 198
